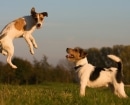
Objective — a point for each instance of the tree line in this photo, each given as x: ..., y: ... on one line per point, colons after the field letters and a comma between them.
x: 41, y: 71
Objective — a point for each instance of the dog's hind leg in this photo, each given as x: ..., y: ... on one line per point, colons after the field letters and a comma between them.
x: 119, y: 90
x: 4, y: 52
x: 9, y: 57
x: 10, y: 51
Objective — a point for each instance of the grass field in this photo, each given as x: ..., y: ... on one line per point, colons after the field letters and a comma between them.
x: 58, y: 94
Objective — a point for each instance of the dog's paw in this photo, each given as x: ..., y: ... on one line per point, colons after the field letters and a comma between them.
x: 32, y: 52
x: 14, y: 67
x: 35, y: 46
x: 4, y: 53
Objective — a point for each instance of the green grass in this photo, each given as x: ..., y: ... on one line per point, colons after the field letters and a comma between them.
x: 58, y: 94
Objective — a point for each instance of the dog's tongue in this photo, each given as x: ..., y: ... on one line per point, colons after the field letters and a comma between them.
x: 69, y: 56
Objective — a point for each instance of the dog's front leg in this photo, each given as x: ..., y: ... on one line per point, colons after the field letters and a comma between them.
x: 82, y: 88
x: 27, y: 38
x: 33, y: 41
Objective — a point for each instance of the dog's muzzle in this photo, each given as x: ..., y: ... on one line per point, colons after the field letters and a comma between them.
x: 38, y: 25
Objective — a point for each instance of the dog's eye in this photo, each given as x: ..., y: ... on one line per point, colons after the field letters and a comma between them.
x: 36, y: 19
x: 41, y: 19
x: 75, y: 50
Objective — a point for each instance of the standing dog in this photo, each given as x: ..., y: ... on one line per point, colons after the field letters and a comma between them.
x: 92, y: 76
x: 21, y: 27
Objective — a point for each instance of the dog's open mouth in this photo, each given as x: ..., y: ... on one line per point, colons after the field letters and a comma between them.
x: 69, y: 56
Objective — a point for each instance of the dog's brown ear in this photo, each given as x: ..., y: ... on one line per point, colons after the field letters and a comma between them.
x: 83, y: 54
x: 33, y: 11
x: 45, y: 14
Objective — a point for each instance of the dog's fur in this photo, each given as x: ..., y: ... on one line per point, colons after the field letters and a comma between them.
x: 21, y: 27
x: 92, y: 76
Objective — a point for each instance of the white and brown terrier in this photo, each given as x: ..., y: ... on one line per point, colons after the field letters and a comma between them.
x: 21, y: 27
x: 93, y: 76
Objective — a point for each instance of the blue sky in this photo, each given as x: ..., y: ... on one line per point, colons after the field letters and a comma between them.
x: 71, y: 23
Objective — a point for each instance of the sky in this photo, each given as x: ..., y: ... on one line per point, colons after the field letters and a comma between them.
x: 70, y: 23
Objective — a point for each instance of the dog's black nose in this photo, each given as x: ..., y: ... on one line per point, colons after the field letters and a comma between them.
x: 67, y: 49
x: 38, y: 25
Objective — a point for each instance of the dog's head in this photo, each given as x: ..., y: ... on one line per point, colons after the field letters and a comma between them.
x: 38, y: 17
x: 75, y: 54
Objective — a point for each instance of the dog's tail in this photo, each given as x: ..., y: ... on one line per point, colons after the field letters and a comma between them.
x: 119, y: 74
x: 115, y: 58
